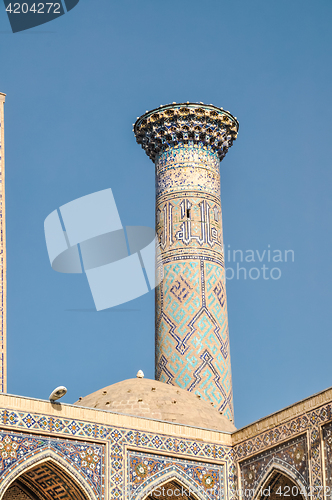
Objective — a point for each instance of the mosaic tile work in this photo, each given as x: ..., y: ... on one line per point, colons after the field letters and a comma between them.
x: 286, y: 444
x: 119, y: 440
x: 191, y: 223
x: 88, y: 459
x: 327, y: 438
x: 192, y: 168
x: 40, y: 423
x: 309, y: 423
x: 170, y: 445
x: 3, y: 277
x: 187, y: 142
x: 291, y: 456
x: 147, y: 472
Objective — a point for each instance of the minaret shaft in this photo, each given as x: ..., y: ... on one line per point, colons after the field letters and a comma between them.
x: 192, y: 341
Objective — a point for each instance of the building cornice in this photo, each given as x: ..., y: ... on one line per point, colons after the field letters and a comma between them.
x: 105, y: 417
x: 282, y: 416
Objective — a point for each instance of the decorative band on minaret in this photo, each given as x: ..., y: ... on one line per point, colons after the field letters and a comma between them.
x: 187, y: 142
x: 3, y: 277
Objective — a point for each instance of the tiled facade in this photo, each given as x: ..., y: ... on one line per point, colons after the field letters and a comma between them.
x: 16, y: 449
x: 187, y: 143
x: 298, y: 445
x: 3, y: 278
x: 146, y: 472
x: 114, y: 456
x: 115, y: 461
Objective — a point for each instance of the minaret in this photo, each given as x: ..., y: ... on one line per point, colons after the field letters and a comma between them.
x: 187, y: 142
x: 3, y: 268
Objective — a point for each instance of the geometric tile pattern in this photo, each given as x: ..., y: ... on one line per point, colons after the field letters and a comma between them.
x: 192, y: 343
x: 88, y: 459
x: 327, y: 438
x: 3, y: 277
x: 309, y: 425
x: 192, y: 340
x: 147, y: 472
x: 169, y: 445
x: 36, y: 422
x: 291, y: 456
x: 68, y: 435
x: 287, y: 445
x: 187, y: 142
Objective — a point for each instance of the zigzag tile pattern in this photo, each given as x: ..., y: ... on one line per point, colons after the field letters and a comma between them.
x: 192, y: 341
x: 187, y: 142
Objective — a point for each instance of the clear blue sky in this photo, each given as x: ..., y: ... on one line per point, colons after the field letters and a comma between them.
x: 75, y: 86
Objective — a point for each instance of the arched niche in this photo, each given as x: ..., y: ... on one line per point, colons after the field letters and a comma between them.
x: 174, y: 486
x: 280, y: 485
x: 46, y: 478
x: 173, y: 489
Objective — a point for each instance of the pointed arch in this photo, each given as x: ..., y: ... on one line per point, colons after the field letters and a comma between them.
x: 273, y: 478
x: 172, y: 479
x: 47, y: 466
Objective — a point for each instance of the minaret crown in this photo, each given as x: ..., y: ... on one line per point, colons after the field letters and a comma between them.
x: 189, y: 124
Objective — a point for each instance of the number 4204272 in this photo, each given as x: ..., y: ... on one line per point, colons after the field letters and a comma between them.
x: 36, y: 8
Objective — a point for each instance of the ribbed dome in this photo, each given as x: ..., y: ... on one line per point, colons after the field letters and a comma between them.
x: 148, y: 398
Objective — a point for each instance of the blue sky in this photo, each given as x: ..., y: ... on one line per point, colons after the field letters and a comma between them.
x: 74, y: 88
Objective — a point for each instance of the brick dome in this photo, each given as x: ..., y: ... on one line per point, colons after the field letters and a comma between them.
x: 159, y: 401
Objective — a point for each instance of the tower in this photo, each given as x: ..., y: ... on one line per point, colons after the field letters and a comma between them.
x: 187, y: 142
x: 3, y: 278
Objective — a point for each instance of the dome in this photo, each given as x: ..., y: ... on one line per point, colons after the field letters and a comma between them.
x: 142, y: 397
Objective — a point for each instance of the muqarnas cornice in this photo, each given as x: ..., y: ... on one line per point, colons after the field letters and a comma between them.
x: 174, y: 124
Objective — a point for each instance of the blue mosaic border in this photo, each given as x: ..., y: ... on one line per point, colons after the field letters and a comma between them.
x: 88, y: 459
x: 120, y: 439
